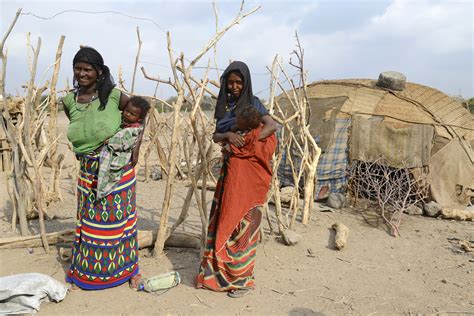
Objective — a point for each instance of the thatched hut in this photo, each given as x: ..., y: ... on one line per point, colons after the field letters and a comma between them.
x: 418, y: 127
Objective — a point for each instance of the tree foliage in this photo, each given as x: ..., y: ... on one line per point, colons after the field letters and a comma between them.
x: 207, y: 104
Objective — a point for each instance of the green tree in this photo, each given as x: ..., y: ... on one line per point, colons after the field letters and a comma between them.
x: 207, y: 104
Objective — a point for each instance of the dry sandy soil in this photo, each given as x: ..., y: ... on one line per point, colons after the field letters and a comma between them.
x: 424, y: 271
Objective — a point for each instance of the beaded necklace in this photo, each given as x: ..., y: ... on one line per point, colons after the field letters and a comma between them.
x: 84, y: 106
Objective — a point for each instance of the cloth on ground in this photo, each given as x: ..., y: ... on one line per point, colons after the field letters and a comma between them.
x: 24, y: 293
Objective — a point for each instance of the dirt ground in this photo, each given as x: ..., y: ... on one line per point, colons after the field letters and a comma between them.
x: 423, y: 271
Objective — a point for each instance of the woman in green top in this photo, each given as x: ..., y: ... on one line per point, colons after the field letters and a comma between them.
x: 105, y: 252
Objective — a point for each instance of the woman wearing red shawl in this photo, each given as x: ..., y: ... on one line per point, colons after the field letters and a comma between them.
x: 234, y: 224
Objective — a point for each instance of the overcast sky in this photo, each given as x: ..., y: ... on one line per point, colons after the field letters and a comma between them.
x: 431, y: 42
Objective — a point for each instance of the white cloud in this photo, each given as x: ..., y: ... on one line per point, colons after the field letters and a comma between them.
x: 442, y: 28
x: 430, y: 41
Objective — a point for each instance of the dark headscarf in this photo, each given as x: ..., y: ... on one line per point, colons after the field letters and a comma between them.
x: 105, y: 82
x: 246, y: 96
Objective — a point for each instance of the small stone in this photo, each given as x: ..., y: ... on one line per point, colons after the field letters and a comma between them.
x: 432, y: 209
x: 444, y: 281
x: 414, y: 210
x: 156, y: 174
x: 336, y: 200
x: 285, y: 194
x: 290, y: 237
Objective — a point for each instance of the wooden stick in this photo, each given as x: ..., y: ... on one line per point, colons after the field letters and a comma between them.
x: 36, y: 240
x: 184, y: 210
x: 145, y: 239
x: 459, y: 215
x: 27, y: 140
x: 342, y: 233
x: 163, y: 231
x: 54, y: 192
x: 137, y: 58
x: 9, y: 129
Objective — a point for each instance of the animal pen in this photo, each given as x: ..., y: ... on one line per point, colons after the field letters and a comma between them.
x: 324, y: 131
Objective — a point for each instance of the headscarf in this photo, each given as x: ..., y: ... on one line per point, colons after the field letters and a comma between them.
x: 105, y: 82
x: 246, y: 96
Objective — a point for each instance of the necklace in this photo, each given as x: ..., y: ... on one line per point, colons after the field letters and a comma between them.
x: 82, y: 106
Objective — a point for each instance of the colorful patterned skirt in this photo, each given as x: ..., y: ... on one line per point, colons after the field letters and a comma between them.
x: 235, y: 271
x: 105, y: 251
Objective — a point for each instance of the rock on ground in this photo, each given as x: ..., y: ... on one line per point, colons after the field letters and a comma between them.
x: 336, y: 200
x: 290, y: 237
x: 285, y: 194
x: 414, y: 210
x: 432, y: 209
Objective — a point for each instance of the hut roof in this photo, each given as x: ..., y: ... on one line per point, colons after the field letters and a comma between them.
x: 417, y: 104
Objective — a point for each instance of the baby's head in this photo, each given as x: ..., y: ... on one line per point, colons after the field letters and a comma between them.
x: 247, y: 117
x: 135, y: 110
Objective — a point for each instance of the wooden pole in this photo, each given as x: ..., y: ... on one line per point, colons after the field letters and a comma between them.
x: 28, y: 140
x: 9, y: 130
x: 56, y: 161
x: 137, y: 58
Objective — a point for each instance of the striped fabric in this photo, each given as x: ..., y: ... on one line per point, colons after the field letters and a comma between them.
x: 234, y: 269
x: 105, y: 251
x: 331, y: 172
x: 333, y: 164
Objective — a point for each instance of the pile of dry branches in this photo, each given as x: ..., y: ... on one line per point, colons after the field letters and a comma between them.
x: 391, y: 190
x: 32, y: 142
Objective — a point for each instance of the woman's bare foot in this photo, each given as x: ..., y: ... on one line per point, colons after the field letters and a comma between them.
x: 73, y: 287
x: 135, y: 282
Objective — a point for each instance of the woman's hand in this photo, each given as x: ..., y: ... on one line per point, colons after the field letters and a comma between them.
x: 235, y: 139
x: 229, y: 137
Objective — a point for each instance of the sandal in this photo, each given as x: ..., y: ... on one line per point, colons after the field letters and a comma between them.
x: 237, y: 293
x: 136, y: 282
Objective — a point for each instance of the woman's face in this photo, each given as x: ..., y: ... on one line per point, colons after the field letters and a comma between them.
x: 85, y: 74
x: 235, y: 84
